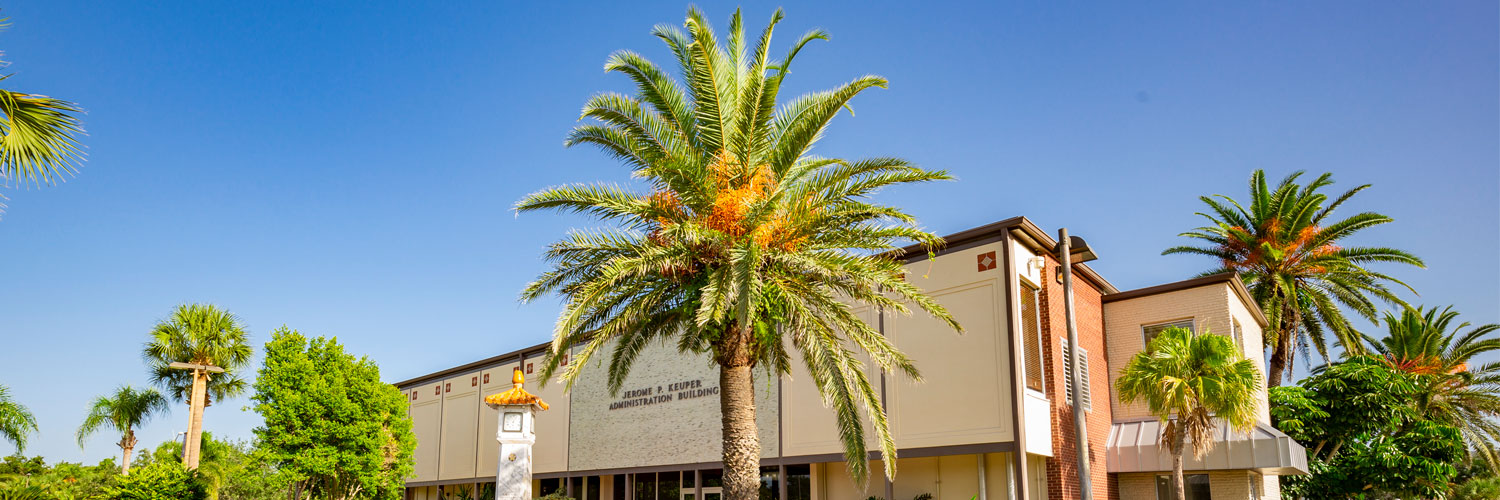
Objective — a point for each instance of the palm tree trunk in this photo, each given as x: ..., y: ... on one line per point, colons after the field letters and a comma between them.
x: 195, y: 419
x: 127, y: 444
x: 1283, y: 349
x: 1179, y: 488
x: 741, y: 438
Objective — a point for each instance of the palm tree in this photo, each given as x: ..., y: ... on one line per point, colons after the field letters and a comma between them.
x: 1289, y: 255
x: 16, y: 422
x: 197, y: 334
x: 38, y: 137
x: 745, y: 247
x: 123, y: 411
x: 1187, y: 381
x: 1458, y: 393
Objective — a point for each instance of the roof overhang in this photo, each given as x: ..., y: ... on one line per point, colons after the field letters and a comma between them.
x: 1136, y: 447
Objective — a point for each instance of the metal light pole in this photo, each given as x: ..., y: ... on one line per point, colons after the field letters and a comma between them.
x: 193, y: 442
x: 1069, y: 249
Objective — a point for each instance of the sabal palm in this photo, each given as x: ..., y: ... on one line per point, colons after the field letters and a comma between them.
x: 1287, y: 250
x: 742, y: 245
x: 204, y: 335
x: 16, y: 421
x: 38, y: 137
x: 1188, y: 381
x: 124, y: 411
x: 1458, y: 393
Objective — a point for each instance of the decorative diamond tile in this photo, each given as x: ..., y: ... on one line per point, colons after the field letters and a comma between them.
x: 987, y: 261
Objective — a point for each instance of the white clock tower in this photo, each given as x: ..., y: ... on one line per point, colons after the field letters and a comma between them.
x: 517, y: 434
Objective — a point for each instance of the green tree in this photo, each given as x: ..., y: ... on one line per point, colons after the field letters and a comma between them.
x: 228, y: 468
x: 203, y: 335
x: 1188, y: 381
x: 16, y: 422
x: 123, y: 411
x: 160, y: 481
x: 1288, y: 252
x: 332, y: 429
x: 1458, y: 391
x: 38, y: 137
x: 1366, y: 436
x: 746, y: 248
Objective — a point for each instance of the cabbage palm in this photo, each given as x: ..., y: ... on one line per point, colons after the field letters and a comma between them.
x: 16, y: 422
x: 123, y: 411
x: 1188, y: 381
x: 38, y: 137
x: 1458, y: 393
x: 204, y: 335
x: 1287, y: 250
x: 741, y: 244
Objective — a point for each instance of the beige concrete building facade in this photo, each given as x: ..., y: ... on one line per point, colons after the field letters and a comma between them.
x: 990, y: 420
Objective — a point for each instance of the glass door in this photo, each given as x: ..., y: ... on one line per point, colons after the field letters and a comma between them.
x: 713, y: 493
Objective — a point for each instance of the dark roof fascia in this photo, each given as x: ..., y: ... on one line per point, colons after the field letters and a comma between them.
x: 1032, y: 236
x: 1229, y: 278
x: 481, y: 364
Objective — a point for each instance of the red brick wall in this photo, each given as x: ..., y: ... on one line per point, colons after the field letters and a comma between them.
x: 1062, y: 475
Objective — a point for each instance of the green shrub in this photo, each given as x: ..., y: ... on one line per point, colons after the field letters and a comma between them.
x: 160, y: 481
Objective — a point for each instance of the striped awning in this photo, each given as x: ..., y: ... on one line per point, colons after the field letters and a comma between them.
x: 1136, y: 447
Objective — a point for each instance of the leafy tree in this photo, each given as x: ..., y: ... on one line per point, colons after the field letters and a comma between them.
x: 1188, y: 381
x: 332, y: 429
x: 747, y: 248
x: 123, y: 411
x: 64, y: 481
x: 1458, y: 391
x: 16, y: 422
x: 1365, y: 434
x: 1289, y: 254
x: 160, y: 481
x: 38, y: 137
x: 229, y: 469
x: 19, y: 465
x: 203, y: 335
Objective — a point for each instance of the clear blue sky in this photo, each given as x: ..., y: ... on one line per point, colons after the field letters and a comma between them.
x: 349, y: 170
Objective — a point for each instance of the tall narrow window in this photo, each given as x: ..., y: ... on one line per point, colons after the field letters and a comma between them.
x: 1238, y: 334
x: 1150, y: 331
x: 1083, y: 371
x: 1031, y: 333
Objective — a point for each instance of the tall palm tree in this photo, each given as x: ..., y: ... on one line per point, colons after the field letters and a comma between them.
x: 1288, y: 252
x: 742, y: 246
x: 16, y: 422
x: 198, y: 334
x: 38, y: 137
x: 123, y: 411
x: 1459, y: 392
x: 1188, y: 381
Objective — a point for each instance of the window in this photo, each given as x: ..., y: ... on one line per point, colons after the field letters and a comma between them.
x: 799, y: 482
x: 549, y: 486
x: 1196, y: 487
x: 668, y: 486
x: 770, y: 488
x: 1083, y: 358
x: 1031, y: 335
x: 1238, y: 333
x: 1256, y: 485
x: 1150, y: 331
x: 645, y: 486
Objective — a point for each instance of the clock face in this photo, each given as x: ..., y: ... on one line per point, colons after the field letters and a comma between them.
x: 512, y: 422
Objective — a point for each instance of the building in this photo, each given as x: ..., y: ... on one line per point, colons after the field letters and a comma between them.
x: 993, y: 418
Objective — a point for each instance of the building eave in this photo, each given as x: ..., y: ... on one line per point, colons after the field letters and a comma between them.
x: 1232, y: 279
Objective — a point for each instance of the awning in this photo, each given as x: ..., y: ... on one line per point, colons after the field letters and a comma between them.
x: 1136, y: 447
